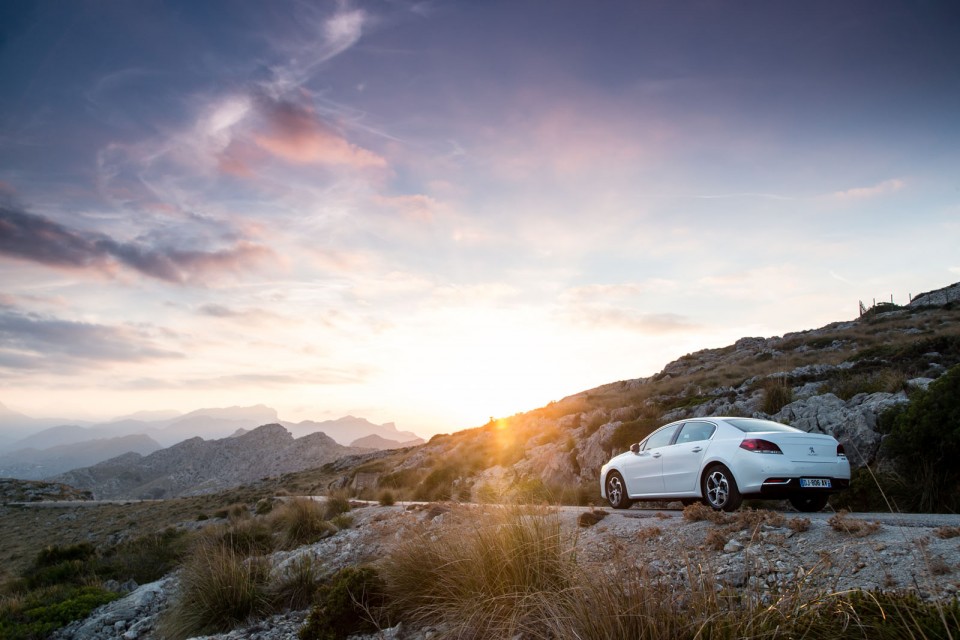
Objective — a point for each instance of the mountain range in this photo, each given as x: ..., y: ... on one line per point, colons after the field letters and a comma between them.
x: 198, y: 466
x: 43, y: 451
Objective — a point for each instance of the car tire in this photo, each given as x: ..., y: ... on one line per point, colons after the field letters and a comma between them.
x: 617, y: 491
x: 720, y: 490
x: 809, y: 503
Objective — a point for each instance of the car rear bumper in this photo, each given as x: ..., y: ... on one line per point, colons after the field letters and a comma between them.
x: 791, y: 486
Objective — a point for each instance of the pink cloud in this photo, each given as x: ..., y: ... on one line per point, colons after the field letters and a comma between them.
x: 295, y: 134
x: 416, y: 207
x: 882, y: 188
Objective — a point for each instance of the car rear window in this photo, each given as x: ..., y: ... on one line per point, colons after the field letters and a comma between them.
x: 753, y: 425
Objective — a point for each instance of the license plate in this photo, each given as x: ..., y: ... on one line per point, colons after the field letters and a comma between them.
x: 816, y: 483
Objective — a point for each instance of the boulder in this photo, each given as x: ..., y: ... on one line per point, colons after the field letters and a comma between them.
x: 594, y: 452
x: 853, y: 423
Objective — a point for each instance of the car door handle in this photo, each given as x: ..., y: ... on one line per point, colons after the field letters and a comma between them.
x: 656, y: 455
x: 696, y: 449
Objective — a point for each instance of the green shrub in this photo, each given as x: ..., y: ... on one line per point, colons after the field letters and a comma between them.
x: 40, y: 612
x: 54, y: 565
x: 352, y: 603
x: 386, y: 498
x: 911, y: 358
x: 438, y: 485
x: 144, y: 559
x: 924, y: 442
x: 846, y: 385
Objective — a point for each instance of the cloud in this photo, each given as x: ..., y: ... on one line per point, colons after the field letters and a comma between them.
x: 295, y: 133
x: 253, y: 316
x: 36, y: 342
x: 32, y: 237
x: 607, y: 292
x: 337, y: 34
x: 631, y: 320
x: 883, y: 188
x: 258, y: 380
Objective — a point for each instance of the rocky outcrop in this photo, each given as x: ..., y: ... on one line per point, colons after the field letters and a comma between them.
x: 129, y: 618
x: 595, y: 450
x: 937, y: 298
x: 853, y: 423
x: 12, y: 490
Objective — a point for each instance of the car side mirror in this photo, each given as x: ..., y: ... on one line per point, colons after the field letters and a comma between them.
x: 635, y: 448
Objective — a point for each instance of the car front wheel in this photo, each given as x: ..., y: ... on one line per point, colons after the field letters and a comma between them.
x: 617, y: 491
x: 720, y: 489
x: 809, y: 503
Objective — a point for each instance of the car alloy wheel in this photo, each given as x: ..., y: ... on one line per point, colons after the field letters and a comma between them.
x: 617, y: 492
x: 720, y: 489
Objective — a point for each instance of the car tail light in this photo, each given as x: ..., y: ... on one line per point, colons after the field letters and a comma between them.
x: 841, y: 453
x: 760, y: 446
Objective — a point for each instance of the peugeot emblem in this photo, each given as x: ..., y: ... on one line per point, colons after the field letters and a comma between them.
x: 813, y: 451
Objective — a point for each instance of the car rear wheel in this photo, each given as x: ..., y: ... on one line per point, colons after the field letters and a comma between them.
x: 809, y: 503
x: 617, y: 491
x: 720, y: 489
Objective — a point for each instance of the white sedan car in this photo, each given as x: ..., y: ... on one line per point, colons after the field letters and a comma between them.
x: 721, y: 461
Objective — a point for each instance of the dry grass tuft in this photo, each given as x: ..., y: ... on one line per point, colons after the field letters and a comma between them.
x: 698, y: 512
x: 219, y: 589
x: 715, y: 540
x: 799, y: 525
x: 298, y: 584
x: 590, y: 518
x: 860, y: 528
x: 945, y: 533
x: 301, y: 521
x: 649, y: 533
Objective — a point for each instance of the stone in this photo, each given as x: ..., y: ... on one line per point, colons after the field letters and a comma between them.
x: 853, y: 423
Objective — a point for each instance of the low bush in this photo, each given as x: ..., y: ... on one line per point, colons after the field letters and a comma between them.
x: 353, y: 602
x: 36, y: 614
x: 924, y: 442
x: 146, y: 558
x: 386, y: 498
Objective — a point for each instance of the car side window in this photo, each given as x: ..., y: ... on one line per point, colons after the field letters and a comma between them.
x: 695, y: 431
x: 660, y: 438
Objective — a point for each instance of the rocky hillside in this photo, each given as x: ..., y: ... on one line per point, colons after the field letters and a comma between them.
x: 837, y: 379
x: 198, y: 466
x: 32, y: 491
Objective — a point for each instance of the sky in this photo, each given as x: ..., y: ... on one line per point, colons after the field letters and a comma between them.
x: 439, y: 212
